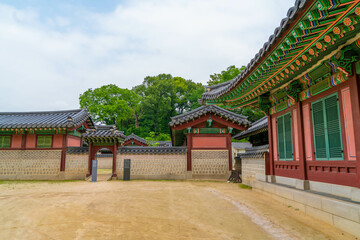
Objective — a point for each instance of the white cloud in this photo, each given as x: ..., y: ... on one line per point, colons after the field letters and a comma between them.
x: 45, y: 65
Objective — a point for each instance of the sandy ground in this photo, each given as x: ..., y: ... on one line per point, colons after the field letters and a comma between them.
x: 150, y: 210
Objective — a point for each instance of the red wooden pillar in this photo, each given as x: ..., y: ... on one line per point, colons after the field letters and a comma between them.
x: 23, y: 141
x: 90, y: 159
x: 355, y: 98
x: 271, y: 151
x: 302, y: 158
x: 114, y: 160
x: 63, y: 153
x: 189, y: 146
x: 229, y: 146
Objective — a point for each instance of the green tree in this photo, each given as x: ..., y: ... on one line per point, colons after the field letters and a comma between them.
x: 111, y: 104
x: 225, y: 75
x: 165, y: 96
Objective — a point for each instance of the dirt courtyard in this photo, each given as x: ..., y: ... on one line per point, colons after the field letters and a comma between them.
x: 150, y: 210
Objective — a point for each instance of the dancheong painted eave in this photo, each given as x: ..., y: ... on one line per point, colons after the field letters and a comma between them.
x: 311, y: 31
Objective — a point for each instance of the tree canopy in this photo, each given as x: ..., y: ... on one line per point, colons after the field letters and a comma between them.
x: 146, y: 108
x: 225, y: 75
x: 110, y: 104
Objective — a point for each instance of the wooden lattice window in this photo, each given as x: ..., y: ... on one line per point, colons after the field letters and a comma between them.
x: 44, y: 141
x: 5, y: 141
x: 284, y: 131
x: 327, y: 129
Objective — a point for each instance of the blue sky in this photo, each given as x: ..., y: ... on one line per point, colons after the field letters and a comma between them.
x: 52, y: 51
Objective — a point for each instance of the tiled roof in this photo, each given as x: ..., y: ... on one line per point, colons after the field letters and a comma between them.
x: 48, y: 119
x: 104, y: 131
x: 203, y: 110
x: 152, y: 150
x: 254, y: 152
x: 217, y: 86
x: 241, y: 145
x: 284, y: 24
x: 258, y: 126
x: 132, y: 136
x: 77, y: 150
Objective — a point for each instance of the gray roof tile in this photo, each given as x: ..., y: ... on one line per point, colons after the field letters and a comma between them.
x: 203, y: 110
x: 132, y: 136
x: 48, y: 119
x: 104, y: 131
x: 152, y: 150
x: 258, y: 126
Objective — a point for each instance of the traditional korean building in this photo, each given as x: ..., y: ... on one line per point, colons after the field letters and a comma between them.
x: 207, y: 131
x: 50, y: 130
x: 306, y: 78
x: 134, y: 140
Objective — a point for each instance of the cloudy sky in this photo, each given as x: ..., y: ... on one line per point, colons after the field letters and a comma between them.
x: 52, y: 51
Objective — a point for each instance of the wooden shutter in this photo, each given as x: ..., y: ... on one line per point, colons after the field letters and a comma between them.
x: 333, y: 128
x: 288, y: 137
x: 44, y: 141
x: 5, y: 141
x: 327, y: 129
x: 40, y: 141
x: 47, y: 141
x: 319, y: 130
x: 281, y: 142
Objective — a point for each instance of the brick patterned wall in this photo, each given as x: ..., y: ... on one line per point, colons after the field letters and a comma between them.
x: 76, y: 166
x: 153, y: 166
x: 252, y: 168
x: 105, y: 162
x: 30, y: 164
x: 210, y: 162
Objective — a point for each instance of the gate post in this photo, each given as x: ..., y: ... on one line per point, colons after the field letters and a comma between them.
x: 114, y: 161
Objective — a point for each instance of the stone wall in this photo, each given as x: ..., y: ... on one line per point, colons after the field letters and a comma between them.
x: 105, y: 162
x: 76, y: 165
x: 30, y: 164
x: 252, y: 169
x: 153, y: 166
x: 210, y: 164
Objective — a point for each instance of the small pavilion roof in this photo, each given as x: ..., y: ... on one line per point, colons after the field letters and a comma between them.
x: 45, y: 119
x: 102, y: 133
x: 258, y: 126
x: 203, y: 110
x: 132, y: 136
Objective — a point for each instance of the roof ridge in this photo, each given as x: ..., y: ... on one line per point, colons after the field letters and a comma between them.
x: 259, y: 120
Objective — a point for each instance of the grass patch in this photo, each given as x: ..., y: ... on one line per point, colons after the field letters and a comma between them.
x: 243, y: 186
x: 104, y: 171
x: 156, y: 180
